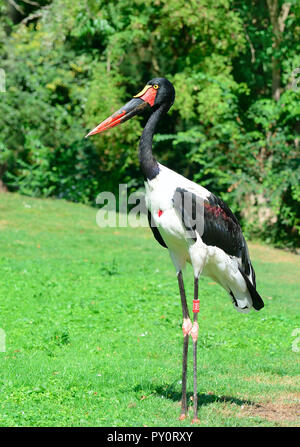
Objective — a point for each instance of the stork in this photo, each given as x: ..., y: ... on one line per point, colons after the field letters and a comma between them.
x: 191, y: 222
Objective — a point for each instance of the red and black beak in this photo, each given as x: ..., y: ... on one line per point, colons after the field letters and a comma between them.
x: 142, y: 101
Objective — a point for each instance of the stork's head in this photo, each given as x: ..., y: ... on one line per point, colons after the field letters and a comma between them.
x: 157, y: 92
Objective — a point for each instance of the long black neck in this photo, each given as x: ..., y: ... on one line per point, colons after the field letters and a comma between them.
x: 148, y: 163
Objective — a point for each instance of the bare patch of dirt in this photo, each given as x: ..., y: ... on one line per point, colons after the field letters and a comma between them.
x: 284, y: 409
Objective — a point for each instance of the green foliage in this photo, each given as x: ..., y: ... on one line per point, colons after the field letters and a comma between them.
x: 72, y: 63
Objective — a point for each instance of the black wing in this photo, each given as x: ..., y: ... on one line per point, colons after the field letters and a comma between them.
x: 155, y: 231
x: 220, y: 227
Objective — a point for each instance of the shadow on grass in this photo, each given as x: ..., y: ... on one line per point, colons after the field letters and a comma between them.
x: 170, y: 392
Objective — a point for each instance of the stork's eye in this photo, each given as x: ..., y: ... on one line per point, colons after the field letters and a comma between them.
x: 155, y: 86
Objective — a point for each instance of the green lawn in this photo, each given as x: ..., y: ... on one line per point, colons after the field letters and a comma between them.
x: 93, y: 328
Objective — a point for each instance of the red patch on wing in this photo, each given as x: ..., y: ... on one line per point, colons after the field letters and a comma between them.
x: 216, y: 211
x: 149, y: 96
x: 159, y: 213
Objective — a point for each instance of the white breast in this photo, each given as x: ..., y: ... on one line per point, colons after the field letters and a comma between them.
x: 160, y: 190
x: 159, y: 200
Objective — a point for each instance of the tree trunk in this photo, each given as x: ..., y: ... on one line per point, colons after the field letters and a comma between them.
x: 277, y: 20
x: 2, y: 187
x: 2, y: 170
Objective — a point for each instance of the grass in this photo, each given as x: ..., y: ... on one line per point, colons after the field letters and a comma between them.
x: 93, y: 328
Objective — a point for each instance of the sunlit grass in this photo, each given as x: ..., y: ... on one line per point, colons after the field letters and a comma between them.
x: 93, y: 328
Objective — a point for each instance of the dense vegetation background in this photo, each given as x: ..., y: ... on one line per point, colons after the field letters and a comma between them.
x: 234, y: 126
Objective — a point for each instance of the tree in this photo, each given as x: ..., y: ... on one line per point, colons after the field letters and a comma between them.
x: 233, y: 126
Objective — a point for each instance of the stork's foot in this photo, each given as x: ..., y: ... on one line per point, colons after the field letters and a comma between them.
x: 196, y: 421
x: 187, y: 326
x: 194, y: 331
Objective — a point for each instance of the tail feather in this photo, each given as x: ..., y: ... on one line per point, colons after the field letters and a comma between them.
x: 241, y: 304
x: 253, y: 275
x: 256, y: 298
